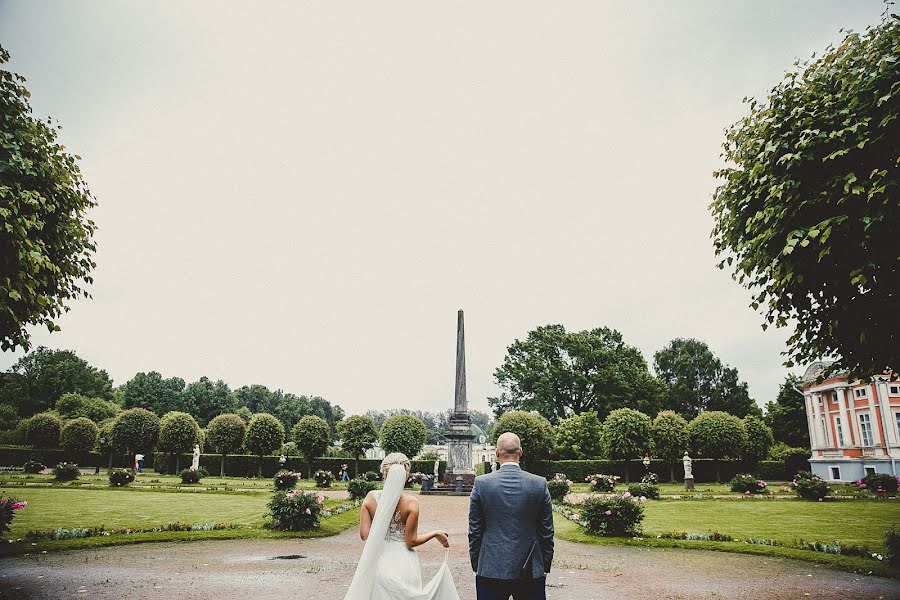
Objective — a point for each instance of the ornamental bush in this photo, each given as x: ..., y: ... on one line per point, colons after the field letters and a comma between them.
x: 120, y: 477
x: 651, y: 478
x: 8, y: 506
x: 879, y: 483
x: 745, y: 483
x: 178, y: 432
x: 616, y: 516
x: 66, y: 471
x: 602, y: 483
x: 323, y: 478
x: 626, y: 433
x: 359, y: 488
x: 559, y: 487
x: 579, y: 437
x: 403, y: 433
x: 224, y: 436
x: 78, y: 437
x: 192, y: 476
x: 809, y: 486
x: 716, y: 434
x: 43, y: 430
x: 295, y: 510
x: 265, y: 434
x: 33, y: 466
x: 759, y: 439
x: 312, y: 435
x: 136, y: 430
x: 372, y: 476
x: 535, y: 431
x: 644, y: 490
x: 286, y: 480
x: 892, y: 542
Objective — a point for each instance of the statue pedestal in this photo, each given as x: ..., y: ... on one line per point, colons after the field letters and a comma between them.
x: 468, y: 479
x: 689, y: 484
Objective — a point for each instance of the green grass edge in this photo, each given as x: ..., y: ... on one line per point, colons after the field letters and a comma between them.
x: 328, y: 527
x: 572, y: 532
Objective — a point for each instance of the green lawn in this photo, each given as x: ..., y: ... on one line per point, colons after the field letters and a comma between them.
x: 152, y: 480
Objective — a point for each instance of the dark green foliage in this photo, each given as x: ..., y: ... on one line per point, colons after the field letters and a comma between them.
x: 626, y: 434
x: 71, y: 406
x: 33, y: 466
x: 697, y: 380
x: 295, y: 510
x: 359, y: 488
x: 787, y: 415
x: 623, y: 519
x: 535, y: 432
x: 151, y: 391
x: 8, y: 506
x: 892, y: 541
x: 809, y: 486
x: 759, y: 439
x: 748, y: 483
x: 43, y: 430
x: 265, y: 434
x: 9, y: 417
x: 286, y: 480
x: 669, y: 437
x: 807, y: 212
x: 559, y: 373
x: 312, y: 436
x: 559, y: 487
x: 78, y: 437
x: 66, y: 471
x: 120, y: 477
x: 178, y: 432
x: 136, y: 430
x: 357, y: 434
x: 646, y: 490
x: 880, y: 483
x: 189, y: 476
x: 403, y: 433
x: 225, y: 435
x: 579, y: 437
x: 205, y: 399
x: 46, y: 243
x: 716, y: 434
x: 323, y: 478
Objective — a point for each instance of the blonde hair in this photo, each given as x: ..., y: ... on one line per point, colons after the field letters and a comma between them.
x: 394, y: 458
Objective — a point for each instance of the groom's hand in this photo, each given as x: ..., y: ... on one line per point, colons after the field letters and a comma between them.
x: 443, y: 537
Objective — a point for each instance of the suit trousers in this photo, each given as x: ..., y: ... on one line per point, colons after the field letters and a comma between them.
x: 487, y: 588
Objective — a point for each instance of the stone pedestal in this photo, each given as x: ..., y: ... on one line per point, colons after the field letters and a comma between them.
x: 459, y: 446
x: 689, y: 484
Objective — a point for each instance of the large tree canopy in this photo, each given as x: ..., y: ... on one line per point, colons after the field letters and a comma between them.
x: 559, y: 373
x: 787, y: 415
x: 697, y: 381
x: 153, y: 392
x: 46, y: 241
x: 807, y: 211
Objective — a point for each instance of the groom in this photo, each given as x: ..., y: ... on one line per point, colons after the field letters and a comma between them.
x: 510, y: 529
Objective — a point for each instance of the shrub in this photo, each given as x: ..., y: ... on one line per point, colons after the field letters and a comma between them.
x: 651, y: 478
x: 603, y: 483
x: 879, y: 483
x: 372, y: 476
x: 224, y: 436
x: 748, y: 484
x: 121, y: 477
x: 809, y: 486
x: 192, y: 476
x: 617, y: 516
x: 892, y: 542
x: 286, y: 480
x: 716, y: 434
x: 403, y: 433
x: 265, y: 434
x: 559, y: 487
x: 781, y: 451
x: 178, y: 432
x: 66, y: 471
x: 359, y: 488
x: 579, y: 437
x: 312, y: 435
x: 644, y: 490
x: 357, y: 434
x: 79, y: 436
x: 669, y: 436
x: 295, y: 510
x: 759, y: 439
x: 535, y: 431
x: 33, y: 466
x: 8, y: 506
x: 136, y: 430
x: 43, y: 429
x: 323, y: 478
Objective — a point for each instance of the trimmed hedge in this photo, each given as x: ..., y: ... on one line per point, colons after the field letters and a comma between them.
x: 704, y: 469
x: 247, y: 465
x: 16, y: 456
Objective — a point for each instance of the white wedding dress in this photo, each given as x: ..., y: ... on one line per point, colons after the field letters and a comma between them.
x: 387, y: 569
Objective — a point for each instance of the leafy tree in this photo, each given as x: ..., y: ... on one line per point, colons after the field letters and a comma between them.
x: 78, y: 437
x: 265, y: 435
x: 205, y: 399
x: 321, y: 407
x: 153, y: 392
x: 9, y: 417
x: 312, y: 436
x: 534, y: 430
x: 807, y: 210
x: 43, y: 430
x: 717, y: 435
x: 244, y: 413
x: 559, y: 373
x: 579, y: 437
x: 39, y: 378
x: 697, y: 380
x: 759, y: 439
x: 626, y: 435
x: 105, y: 439
x: 46, y: 242
x: 670, y: 438
x: 403, y: 433
x: 357, y: 434
x: 136, y: 430
x: 71, y: 406
x: 257, y: 398
x: 178, y: 432
x: 225, y: 435
x: 787, y: 414
x: 436, y: 424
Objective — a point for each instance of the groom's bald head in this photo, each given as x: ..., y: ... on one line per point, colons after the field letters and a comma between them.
x: 509, y: 447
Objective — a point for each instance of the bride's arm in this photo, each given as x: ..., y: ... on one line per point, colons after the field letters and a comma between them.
x: 365, y: 516
x: 411, y: 535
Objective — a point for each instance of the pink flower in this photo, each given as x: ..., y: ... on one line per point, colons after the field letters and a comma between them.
x: 746, y: 493
x: 643, y: 498
x: 18, y: 505
x: 607, y: 513
x: 576, y: 516
x: 309, y: 512
x: 320, y: 498
x: 626, y: 495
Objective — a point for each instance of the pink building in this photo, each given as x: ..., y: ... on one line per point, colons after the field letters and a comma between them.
x: 854, y: 427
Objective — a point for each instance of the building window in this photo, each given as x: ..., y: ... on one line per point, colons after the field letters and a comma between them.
x: 861, y: 393
x: 894, y: 390
x: 870, y: 470
x: 865, y: 429
x: 897, y: 416
x: 840, y: 430
x: 836, y: 473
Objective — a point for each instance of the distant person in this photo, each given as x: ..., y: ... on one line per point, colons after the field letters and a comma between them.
x: 139, y: 462
x: 344, y: 474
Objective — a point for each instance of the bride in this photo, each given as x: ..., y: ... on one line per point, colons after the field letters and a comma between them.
x: 389, y: 524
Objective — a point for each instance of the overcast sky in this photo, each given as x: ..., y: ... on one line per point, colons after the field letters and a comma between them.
x: 303, y: 194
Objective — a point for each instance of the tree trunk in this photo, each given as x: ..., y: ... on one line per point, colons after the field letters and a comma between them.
x: 356, y: 466
x: 718, y: 477
x: 222, y: 467
x: 309, y: 470
x: 259, y: 468
x: 177, y: 464
x: 110, y: 461
x: 672, y: 473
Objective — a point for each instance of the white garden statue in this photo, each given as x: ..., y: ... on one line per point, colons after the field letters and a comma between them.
x: 195, y: 463
x: 688, y: 472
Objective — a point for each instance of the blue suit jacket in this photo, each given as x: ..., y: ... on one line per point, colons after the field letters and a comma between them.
x: 510, y: 524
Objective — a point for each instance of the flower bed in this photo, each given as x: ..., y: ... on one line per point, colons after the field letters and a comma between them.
x: 810, y: 487
x: 323, y: 478
x: 286, y: 480
x: 615, y: 516
x: 66, y: 471
x: 559, y: 487
x: 62, y: 533
x: 748, y: 484
x: 295, y: 510
x: 8, y: 508
x: 120, y: 477
x: 602, y: 483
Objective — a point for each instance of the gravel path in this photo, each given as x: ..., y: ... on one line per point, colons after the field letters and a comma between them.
x: 321, y: 569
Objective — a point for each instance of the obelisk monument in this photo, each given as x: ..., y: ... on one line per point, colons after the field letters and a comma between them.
x: 459, y: 434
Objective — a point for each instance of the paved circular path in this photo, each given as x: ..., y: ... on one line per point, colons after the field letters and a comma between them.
x: 249, y: 570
